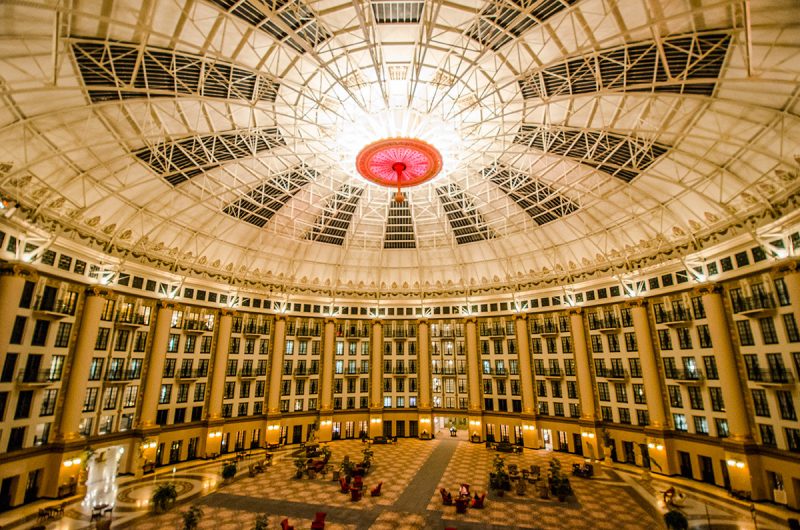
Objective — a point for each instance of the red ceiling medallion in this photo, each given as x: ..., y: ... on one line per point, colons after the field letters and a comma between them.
x: 399, y: 162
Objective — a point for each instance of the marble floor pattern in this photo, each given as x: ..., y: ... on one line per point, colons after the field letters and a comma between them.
x: 411, y: 471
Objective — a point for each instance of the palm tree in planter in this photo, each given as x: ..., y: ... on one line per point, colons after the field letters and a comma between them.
x: 262, y: 522
x: 191, y: 518
x: 301, y: 463
x: 676, y: 520
x: 499, y: 480
x: 229, y: 471
x: 164, y: 496
x: 559, y: 483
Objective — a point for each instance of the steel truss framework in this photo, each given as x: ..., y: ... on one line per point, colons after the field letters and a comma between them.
x: 195, y: 131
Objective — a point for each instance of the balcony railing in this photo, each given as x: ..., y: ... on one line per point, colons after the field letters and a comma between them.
x: 36, y: 378
x: 493, y: 330
x: 356, y: 332
x: 544, y: 327
x: 190, y: 374
x: 55, y: 308
x: 121, y: 376
x: 674, y: 318
x: 603, y: 322
x: 685, y: 376
x: 132, y: 319
x: 555, y: 373
x: 771, y: 377
x: 255, y: 328
x: 247, y: 373
x: 752, y: 305
x: 612, y: 373
x: 197, y: 326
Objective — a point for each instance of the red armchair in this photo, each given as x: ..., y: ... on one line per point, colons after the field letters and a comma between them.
x: 319, y: 521
x: 376, y: 491
x: 343, y: 484
x: 477, y: 502
x: 285, y: 525
x: 447, y: 498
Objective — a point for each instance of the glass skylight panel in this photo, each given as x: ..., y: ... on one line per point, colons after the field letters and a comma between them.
x: 620, y: 156
x: 179, y: 160
x: 684, y: 64
x: 466, y: 221
x: 399, y: 226
x: 503, y: 20
x: 539, y: 200
x: 270, y: 15
x: 262, y: 202
x: 332, y: 225
x: 119, y: 70
x: 397, y: 12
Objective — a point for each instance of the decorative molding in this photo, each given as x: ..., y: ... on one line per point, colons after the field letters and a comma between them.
x: 18, y: 270
x: 575, y: 311
x: 707, y: 289
x: 636, y: 302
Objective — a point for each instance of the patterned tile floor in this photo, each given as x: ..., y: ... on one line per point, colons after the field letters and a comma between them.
x: 616, y: 498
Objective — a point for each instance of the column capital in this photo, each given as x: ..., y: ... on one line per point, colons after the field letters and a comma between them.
x: 376, y: 321
x: 421, y: 321
x: 575, y: 311
x: 18, y: 270
x: 520, y: 316
x: 789, y: 265
x: 167, y: 304
x: 281, y: 316
x: 98, y: 290
x: 227, y: 312
x: 637, y: 302
x: 329, y: 320
x: 708, y: 288
x: 471, y: 320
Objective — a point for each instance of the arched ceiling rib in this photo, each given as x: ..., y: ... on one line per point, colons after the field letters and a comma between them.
x: 580, y: 136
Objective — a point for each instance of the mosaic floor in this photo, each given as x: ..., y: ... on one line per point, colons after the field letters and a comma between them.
x: 411, y: 471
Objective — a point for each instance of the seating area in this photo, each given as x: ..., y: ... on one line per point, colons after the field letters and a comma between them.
x: 464, y: 499
x: 583, y: 471
x: 506, y: 447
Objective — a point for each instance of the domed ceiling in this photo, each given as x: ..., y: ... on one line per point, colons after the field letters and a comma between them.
x: 218, y: 138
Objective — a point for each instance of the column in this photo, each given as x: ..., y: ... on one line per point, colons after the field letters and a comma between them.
x: 220, y: 365
x: 736, y: 446
x: 590, y: 433
x: 583, y: 365
x: 660, y: 446
x: 155, y: 365
x: 81, y: 362
x: 475, y: 411
x: 325, y: 433
x: 650, y: 364
x: 12, y: 282
x: 376, y: 380
x: 725, y: 355
x: 528, y: 417
x: 792, y: 280
x: 424, y: 406
x: 275, y: 376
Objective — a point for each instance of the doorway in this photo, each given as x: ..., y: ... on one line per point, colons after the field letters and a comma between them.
x: 32, y: 486
x: 400, y: 429
x: 547, y: 436
x: 297, y: 434
x: 5, y: 492
x: 629, y: 452
x: 706, y: 469
x: 576, y: 442
x: 685, y: 460
x: 387, y: 429
x: 645, y: 456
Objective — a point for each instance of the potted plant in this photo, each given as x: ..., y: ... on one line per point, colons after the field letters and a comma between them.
x: 301, y: 463
x: 499, y: 479
x: 676, y: 520
x: 559, y: 484
x: 229, y: 471
x: 164, y: 496
x: 262, y: 522
x: 191, y: 518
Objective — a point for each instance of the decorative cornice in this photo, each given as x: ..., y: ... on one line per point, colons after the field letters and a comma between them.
x: 786, y: 266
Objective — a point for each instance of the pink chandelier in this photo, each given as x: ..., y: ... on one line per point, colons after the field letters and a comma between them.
x: 399, y: 162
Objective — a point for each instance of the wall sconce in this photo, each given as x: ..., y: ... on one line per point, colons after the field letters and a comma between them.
x: 273, y: 427
x: 375, y: 420
x: 424, y: 420
x: 149, y: 445
x: 217, y: 434
x: 735, y: 463
x: 325, y: 423
x: 653, y: 445
x: 587, y: 434
x: 528, y: 427
x: 474, y: 422
x: 72, y: 462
